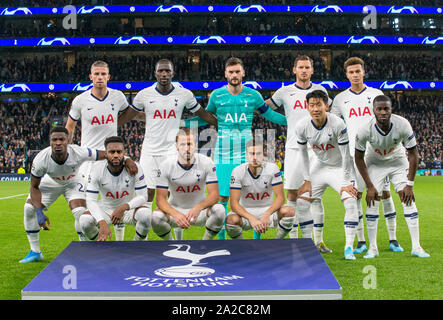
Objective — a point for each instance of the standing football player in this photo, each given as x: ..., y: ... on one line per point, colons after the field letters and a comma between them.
x: 381, y: 139
x: 98, y: 110
x: 293, y: 99
x: 163, y: 105
x: 327, y: 135
x: 354, y: 105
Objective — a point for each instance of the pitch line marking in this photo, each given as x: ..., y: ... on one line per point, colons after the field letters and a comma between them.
x: 17, y: 195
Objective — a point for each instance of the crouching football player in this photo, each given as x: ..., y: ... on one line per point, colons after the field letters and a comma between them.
x: 253, y: 185
x: 117, y: 202
x: 187, y: 176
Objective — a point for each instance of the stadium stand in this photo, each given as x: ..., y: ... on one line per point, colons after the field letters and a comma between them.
x: 28, y: 116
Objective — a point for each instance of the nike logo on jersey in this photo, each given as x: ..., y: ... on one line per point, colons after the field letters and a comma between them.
x: 151, y: 101
x: 346, y: 102
x: 103, y: 184
x: 89, y: 108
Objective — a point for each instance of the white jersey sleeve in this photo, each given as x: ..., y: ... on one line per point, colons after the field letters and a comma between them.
x: 163, y: 179
x: 236, y: 178
x: 409, y: 140
x: 38, y: 168
x: 139, y: 101
x: 276, y: 175
x: 191, y: 102
x: 123, y: 102
x: 211, y: 176
x: 92, y: 194
x: 76, y: 109
x: 361, y: 139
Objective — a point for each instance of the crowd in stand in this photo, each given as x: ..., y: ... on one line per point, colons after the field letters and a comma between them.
x: 267, y: 66
x: 184, y: 25
x: 26, y: 127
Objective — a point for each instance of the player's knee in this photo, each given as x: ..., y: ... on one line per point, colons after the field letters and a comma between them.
x: 219, y: 212
x: 29, y: 210
x: 287, y: 211
x: 233, y: 219
x: 157, y: 219
x: 143, y: 215
x: 86, y: 220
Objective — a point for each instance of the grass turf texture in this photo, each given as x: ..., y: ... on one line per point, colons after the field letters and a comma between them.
x: 398, y: 275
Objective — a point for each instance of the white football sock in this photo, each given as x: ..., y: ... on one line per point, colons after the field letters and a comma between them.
x: 293, y: 234
x: 351, y: 221
x: 305, y: 219
x: 390, y: 217
x: 32, y: 227
x: 318, y: 217
x: 411, y: 216
x: 361, y: 225
x: 284, y: 227
x: 372, y: 223
x: 234, y: 231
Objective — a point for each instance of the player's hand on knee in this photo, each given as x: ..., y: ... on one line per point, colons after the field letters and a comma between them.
x: 118, y: 213
x: 407, y: 195
x: 131, y: 167
x: 182, y: 221
x: 42, y: 219
x: 350, y: 189
x: 192, y: 215
x: 265, y: 222
x: 104, y: 231
x: 257, y: 225
x: 371, y: 196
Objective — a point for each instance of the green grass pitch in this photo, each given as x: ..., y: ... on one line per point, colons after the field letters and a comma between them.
x: 392, y: 276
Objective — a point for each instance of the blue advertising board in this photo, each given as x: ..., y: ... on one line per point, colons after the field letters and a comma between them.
x: 294, y: 40
x: 211, y: 85
x: 253, y: 8
x: 198, y: 269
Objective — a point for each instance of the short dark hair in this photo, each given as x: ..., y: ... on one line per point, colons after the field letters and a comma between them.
x: 381, y: 98
x: 164, y: 61
x: 233, y: 61
x: 99, y: 63
x: 114, y: 139
x: 320, y: 94
x: 59, y: 129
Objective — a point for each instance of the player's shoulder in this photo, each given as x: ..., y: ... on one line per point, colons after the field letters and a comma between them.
x: 271, y: 167
x: 249, y: 91
x: 240, y: 169
x: 316, y: 86
x: 147, y: 91
x: 342, y: 95
x: 334, y: 119
x: 115, y: 93
x: 401, y: 121
x: 99, y: 168
x: 373, y: 91
x: 204, y: 160
x: 182, y: 90
x: 82, y: 97
x: 42, y: 154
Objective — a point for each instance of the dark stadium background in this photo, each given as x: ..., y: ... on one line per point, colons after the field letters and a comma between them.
x: 26, y: 117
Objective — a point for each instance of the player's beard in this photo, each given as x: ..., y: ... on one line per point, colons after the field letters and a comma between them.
x: 235, y: 84
x: 115, y: 167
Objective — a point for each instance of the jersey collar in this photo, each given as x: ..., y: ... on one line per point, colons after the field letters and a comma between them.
x: 321, y: 128
x: 165, y: 94
x: 359, y: 92
x: 310, y: 86
x: 104, y: 98
x: 60, y: 163
x: 187, y: 169
x: 115, y: 174
x: 252, y: 176
x: 381, y: 131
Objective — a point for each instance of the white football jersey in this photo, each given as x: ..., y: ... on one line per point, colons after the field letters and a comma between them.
x: 256, y: 192
x: 62, y: 173
x: 98, y: 117
x: 355, y: 109
x: 187, y: 185
x: 114, y: 190
x: 324, y: 141
x: 293, y: 99
x: 385, y: 146
x: 163, y: 114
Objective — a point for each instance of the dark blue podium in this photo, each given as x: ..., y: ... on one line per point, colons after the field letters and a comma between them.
x: 198, y: 269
